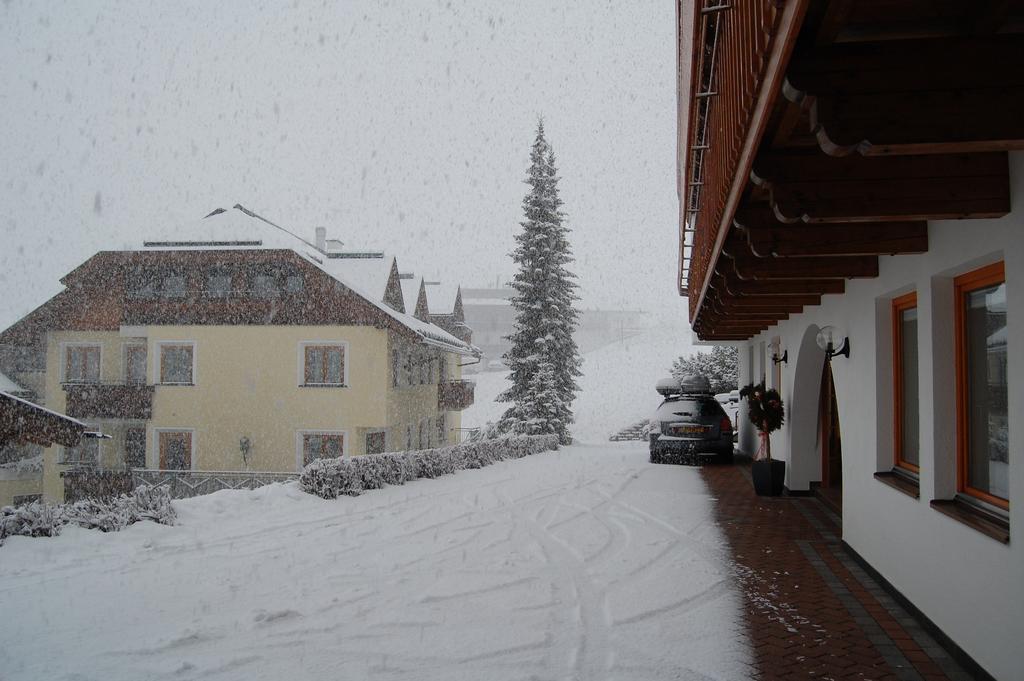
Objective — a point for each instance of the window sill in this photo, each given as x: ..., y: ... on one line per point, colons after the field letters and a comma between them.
x: 173, y: 384
x: 987, y: 523
x: 323, y: 385
x: 899, y: 482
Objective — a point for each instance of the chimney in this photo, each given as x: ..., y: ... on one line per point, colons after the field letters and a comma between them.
x: 321, y: 239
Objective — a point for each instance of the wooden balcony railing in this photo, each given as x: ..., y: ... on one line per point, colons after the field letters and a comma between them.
x: 731, y: 45
x: 109, y: 400
x: 455, y: 395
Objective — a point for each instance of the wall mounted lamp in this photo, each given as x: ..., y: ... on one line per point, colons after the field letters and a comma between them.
x: 826, y: 338
x: 781, y: 360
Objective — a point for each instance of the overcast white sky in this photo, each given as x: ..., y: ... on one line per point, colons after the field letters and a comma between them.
x: 404, y: 126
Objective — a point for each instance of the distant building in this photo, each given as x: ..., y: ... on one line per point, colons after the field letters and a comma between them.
x: 489, y: 312
x: 233, y: 345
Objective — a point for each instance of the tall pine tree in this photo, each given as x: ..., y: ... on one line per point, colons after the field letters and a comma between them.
x: 544, y: 359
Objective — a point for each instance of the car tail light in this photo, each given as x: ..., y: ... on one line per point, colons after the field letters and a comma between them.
x: 726, y: 424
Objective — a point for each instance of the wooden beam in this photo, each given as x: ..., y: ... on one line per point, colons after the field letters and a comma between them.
x: 818, y: 188
x: 778, y: 288
x: 944, y: 95
x: 768, y: 237
x: 749, y: 266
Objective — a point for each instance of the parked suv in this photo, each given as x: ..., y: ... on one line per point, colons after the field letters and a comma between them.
x: 690, y: 425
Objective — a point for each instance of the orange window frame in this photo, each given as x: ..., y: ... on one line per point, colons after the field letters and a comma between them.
x: 85, y: 351
x: 991, y: 275
x: 308, y: 455
x: 899, y: 306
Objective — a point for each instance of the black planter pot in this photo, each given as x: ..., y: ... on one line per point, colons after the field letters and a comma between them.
x: 769, y: 477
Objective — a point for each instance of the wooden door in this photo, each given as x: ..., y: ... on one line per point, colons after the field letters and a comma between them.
x: 829, y: 435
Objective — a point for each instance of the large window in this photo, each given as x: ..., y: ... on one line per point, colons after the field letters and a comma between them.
x: 325, y: 445
x: 982, y: 416
x: 175, y: 450
x: 176, y: 363
x: 324, y: 364
x: 81, y: 363
x: 906, y: 445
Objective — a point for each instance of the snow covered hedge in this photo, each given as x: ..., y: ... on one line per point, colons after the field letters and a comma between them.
x: 39, y: 519
x: 350, y: 476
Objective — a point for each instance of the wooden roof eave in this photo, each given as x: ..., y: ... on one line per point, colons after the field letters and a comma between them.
x: 790, y: 22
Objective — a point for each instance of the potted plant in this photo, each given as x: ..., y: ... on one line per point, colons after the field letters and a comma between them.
x: 766, y: 412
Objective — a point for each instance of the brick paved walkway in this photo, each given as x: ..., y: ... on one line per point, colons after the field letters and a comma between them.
x: 811, y: 611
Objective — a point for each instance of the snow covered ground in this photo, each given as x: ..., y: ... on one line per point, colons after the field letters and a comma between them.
x: 617, y: 386
x: 586, y: 563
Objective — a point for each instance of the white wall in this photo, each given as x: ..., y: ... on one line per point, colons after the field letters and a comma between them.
x: 970, y: 585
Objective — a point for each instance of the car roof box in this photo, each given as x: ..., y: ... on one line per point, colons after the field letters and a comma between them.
x: 668, y: 386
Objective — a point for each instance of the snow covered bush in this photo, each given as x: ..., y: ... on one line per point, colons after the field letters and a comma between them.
x: 331, y: 478
x: 40, y: 519
x: 349, y: 476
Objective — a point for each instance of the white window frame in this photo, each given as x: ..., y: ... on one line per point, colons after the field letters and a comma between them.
x: 300, y: 454
x: 156, y: 443
x: 301, y: 363
x: 63, y: 359
x: 158, y: 361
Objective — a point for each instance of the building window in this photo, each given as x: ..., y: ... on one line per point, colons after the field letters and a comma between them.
x: 396, y: 369
x: 25, y: 499
x: 265, y: 286
x: 906, y: 429
x: 135, y: 364
x: 324, y: 365
x: 982, y: 389
x: 177, y: 363
x: 81, y: 363
x: 322, y: 446
x: 175, y: 450
x: 142, y: 284
x: 174, y: 286
x: 218, y: 284
x: 135, y: 448
x: 408, y: 438
x: 293, y: 283
x: 85, y: 455
x: 441, y: 434
x: 375, y: 443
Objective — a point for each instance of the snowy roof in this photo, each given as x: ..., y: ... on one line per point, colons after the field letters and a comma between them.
x: 239, y: 228
x: 9, y: 386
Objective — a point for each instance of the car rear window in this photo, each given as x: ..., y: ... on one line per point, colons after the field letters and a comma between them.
x: 681, y: 409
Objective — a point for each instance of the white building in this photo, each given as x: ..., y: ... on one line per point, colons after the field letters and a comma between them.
x: 838, y: 171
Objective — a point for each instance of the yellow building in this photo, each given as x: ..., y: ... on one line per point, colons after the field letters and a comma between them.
x: 242, y: 354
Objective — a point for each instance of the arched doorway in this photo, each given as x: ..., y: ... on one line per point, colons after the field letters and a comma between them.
x: 830, y: 441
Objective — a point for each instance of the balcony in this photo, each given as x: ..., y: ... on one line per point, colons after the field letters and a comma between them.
x: 109, y: 400
x: 455, y: 395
